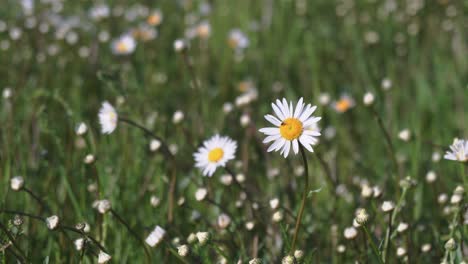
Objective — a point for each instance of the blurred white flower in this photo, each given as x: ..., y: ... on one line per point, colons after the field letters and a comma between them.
x: 404, y: 135
x: 368, y: 98
x: 203, y: 237
x: 387, y: 206
x: 177, y: 117
x: 156, y: 236
x: 79, y: 243
x: 431, y: 177
x: 293, y: 126
x: 89, y: 159
x: 244, y: 120
x: 200, y: 194
x: 124, y: 45
x: 180, y: 45
x: 155, y: 18
x: 17, y: 183
x: 154, y: 201
x: 154, y: 145
x: 324, y: 98
x: 183, y: 250
x: 402, y: 227
x: 350, y: 232
x: 238, y: 40
x: 343, y: 104
x: 103, y: 206
x: 401, y: 251
x: 52, y: 222
x: 458, y: 151
x: 103, y: 257
x: 224, y: 220
x: 214, y: 153
x: 107, y: 118
x: 81, y: 129
x: 386, y: 84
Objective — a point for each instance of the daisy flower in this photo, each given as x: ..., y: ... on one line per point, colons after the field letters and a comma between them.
x: 107, y: 118
x: 238, y: 40
x: 343, y: 104
x: 292, y: 126
x: 215, y: 152
x: 124, y: 45
x: 458, y: 150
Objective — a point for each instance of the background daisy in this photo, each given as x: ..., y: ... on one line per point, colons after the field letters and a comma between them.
x: 107, y: 118
x: 215, y: 152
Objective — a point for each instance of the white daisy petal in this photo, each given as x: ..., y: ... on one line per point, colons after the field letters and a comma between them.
x: 295, y: 146
x: 275, y: 121
x: 307, y: 113
x: 299, y: 107
x: 269, y: 131
x: 277, y: 111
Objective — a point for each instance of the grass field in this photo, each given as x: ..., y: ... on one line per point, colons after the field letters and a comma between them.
x: 389, y: 79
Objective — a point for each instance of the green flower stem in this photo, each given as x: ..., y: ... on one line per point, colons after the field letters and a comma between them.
x: 304, y: 198
x: 373, y: 246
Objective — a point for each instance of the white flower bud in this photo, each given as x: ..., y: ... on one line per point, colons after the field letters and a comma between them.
x: 155, y: 237
x: 223, y: 221
x: 79, y: 244
x: 361, y: 216
x: 324, y: 98
x: 426, y: 248
x: 17, y: 183
x: 436, y: 157
x: 451, y: 245
x: 226, y: 179
x: 405, y: 135
x: 81, y: 129
x: 244, y: 120
x: 442, y: 198
x: 52, y: 222
x: 250, y: 225
x: 401, y: 251
x: 7, y: 93
x: 341, y: 248
x: 455, y: 199
x: 366, y: 191
x: 386, y: 84
x: 154, y: 200
x: 368, y: 99
x: 103, y: 257
x: 287, y: 260
x: 240, y: 177
x: 200, y: 194
x: 431, y: 177
x: 298, y: 254
x: 89, y: 159
x: 274, y: 203
x: 177, y: 117
x: 203, y: 237
x: 388, y: 206
x: 278, y: 216
x: 183, y: 250
x: 255, y: 261
x: 402, y: 227
x: 192, y: 238
x: 377, y: 191
x: 227, y: 108
x: 103, y: 206
x: 350, y: 233
x: 154, y: 145
x: 179, y: 45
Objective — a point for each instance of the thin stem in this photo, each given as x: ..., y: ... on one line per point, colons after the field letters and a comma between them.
x: 387, y: 239
x: 22, y: 256
x: 148, y: 132
x: 304, y: 198
x: 388, y: 140
x: 37, y: 198
x: 326, y: 169
x: 133, y: 233
x: 373, y: 246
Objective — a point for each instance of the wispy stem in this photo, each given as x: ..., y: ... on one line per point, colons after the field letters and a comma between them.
x: 304, y: 198
x: 37, y: 198
x: 373, y: 246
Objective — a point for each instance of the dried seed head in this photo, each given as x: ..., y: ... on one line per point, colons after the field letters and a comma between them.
x: 203, y: 237
x: 255, y: 261
x: 298, y: 254
x: 52, y: 222
x: 288, y: 260
x: 183, y: 250
x: 103, y: 257
x: 361, y: 216
x: 451, y: 245
x: 18, y: 220
x: 278, y: 216
x: 103, y: 206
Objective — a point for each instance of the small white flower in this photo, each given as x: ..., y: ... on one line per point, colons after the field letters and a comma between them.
x: 274, y: 203
x: 361, y: 216
x: 17, y: 183
x: 107, y: 118
x: 436, y: 156
x: 81, y: 129
x: 238, y: 40
x: 192, y: 238
x: 52, y: 222
x: 223, y: 221
x: 226, y: 179
x: 431, y: 177
x: 293, y: 126
x: 89, y: 159
x: 350, y: 232
x: 442, y: 198
x: 377, y: 191
x: 227, y: 108
x: 366, y: 191
x: 386, y: 84
x: 154, y: 201
x: 7, y: 93
x: 404, y: 135
x: 156, y: 236
x: 103, y: 206
x: 341, y: 248
x: 240, y: 177
x: 79, y: 243
x: 103, y: 257
x: 200, y: 194
x: 154, y: 145
x: 203, y: 237
x: 324, y: 99
x: 368, y: 98
x: 244, y: 120
x: 277, y: 216
x: 298, y: 254
x: 183, y: 250
x: 177, y: 117
x: 401, y: 251
x: 402, y: 227
x: 288, y: 260
x: 250, y: 225
x: 458, y: 151
x: 124, y: 45
x: 214, y: 153
x: 387, y: 206
x: 426, y: 247
x: 180, y: 45
x: 456, y: 198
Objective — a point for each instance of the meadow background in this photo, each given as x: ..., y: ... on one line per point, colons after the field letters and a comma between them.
x: 57, y: 66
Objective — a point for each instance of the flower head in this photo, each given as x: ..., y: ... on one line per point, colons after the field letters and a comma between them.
x: 343, y: 104
x: 107, y: 118
x: 215, y: 152
x: 292, y: 126
x: 124, y: 45
x: 156, y: 236
x: 458, y: 150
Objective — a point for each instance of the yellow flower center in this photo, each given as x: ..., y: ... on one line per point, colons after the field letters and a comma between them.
x: 343, y: 105
x: 121, y: 47
x: 291, y: 128
x: 154, y: 20
x: 215, y: 154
